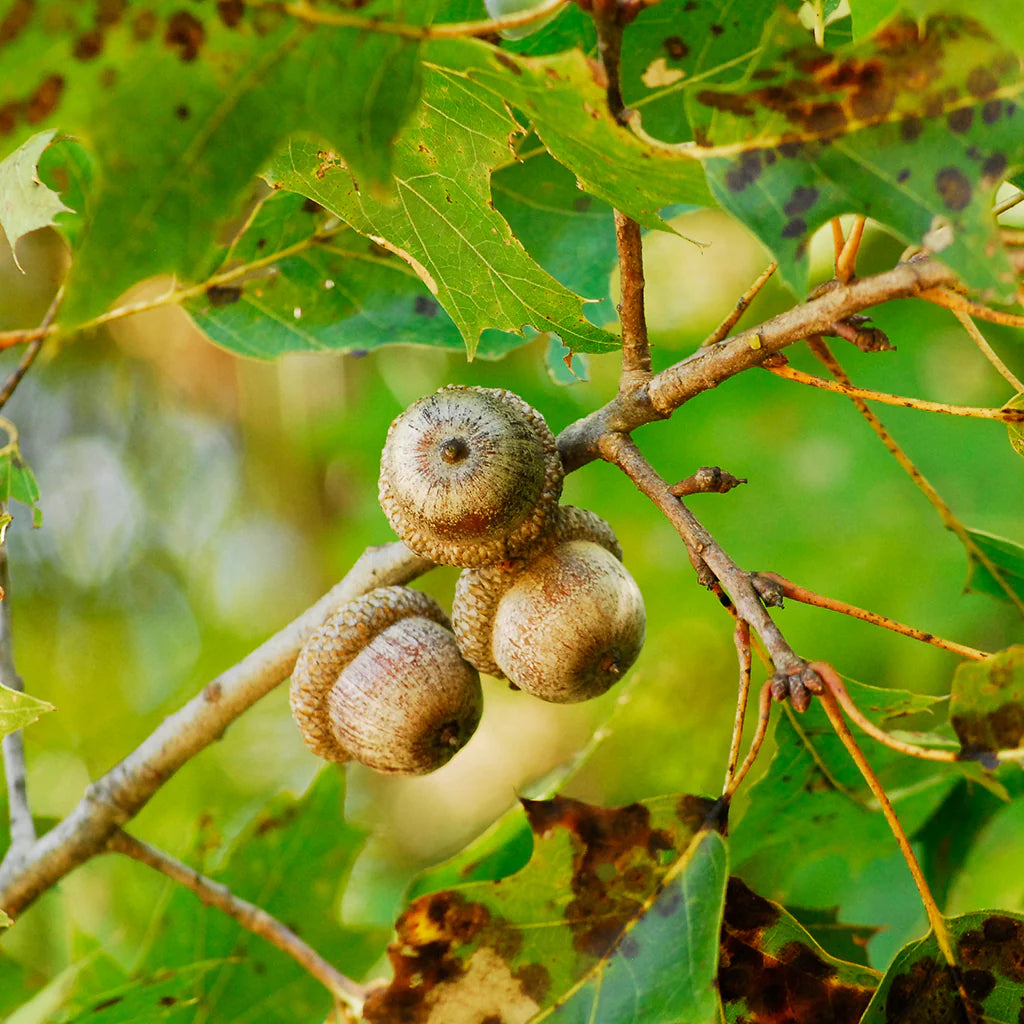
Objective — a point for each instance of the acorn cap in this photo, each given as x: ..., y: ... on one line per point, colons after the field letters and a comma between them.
x: 382, y: 682
x: 470, y: 476
x: 478, y: 591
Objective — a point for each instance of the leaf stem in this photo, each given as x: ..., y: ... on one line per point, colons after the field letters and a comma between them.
x: 949, y: 520
x: 35, y: 345
x: 723, y: 329
x: 798, y: 593
x: 974, y: 412
x: 935, y: 918
x: 741, y: 638
x: 846, y: 260
x: 990, y: 354
x: 950, y: 299
x: 251, y: 917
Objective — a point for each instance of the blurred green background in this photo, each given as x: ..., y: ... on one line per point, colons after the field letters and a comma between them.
x: 194, y: 503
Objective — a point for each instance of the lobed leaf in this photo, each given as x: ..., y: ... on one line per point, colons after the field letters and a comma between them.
x: 813, y: 797
x: 616, y: 917
x: 1007, y: 558
x: 19, y: 709
x: 915, y: 128
x: 920, y: 985
x: 442, y: 222
x: 26, y: 204
x: 987, y: 705
x: 181, y: 105
x: 291, y: 860
x: 772, y: 969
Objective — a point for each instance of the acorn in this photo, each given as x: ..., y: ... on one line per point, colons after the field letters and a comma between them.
x: 470, y: 476
x: 382, y: 682
x: 564, y: 624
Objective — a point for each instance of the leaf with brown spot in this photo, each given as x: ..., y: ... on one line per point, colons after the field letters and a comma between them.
x: 919, y: 987
x: 904, y: 128
x: 616, y: 917
x: 772, y: 971
x: 987, y: 703
x: 181, y: 104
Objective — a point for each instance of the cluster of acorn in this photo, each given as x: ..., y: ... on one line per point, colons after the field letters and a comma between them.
x: 470, y: 477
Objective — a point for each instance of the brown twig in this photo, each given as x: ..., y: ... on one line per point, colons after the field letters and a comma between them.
x: 764, y: 712
x: 949, y: 299
x: 35, y: 344
x: 949, y: 520
x: 636, y: 349
x: 798, y: 593
x: 935, y: 918
x: 723, y: 329
x: 846, y: 259
x: 741, y: 638
x: 118, y: 796
x: 791, y: 679
x: 251, y: 917
x: 975, y: 412
x: 19, y: 812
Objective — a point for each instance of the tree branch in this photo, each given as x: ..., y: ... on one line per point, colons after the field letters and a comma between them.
x: 636, y: 350
x: 708, y: 367
x: 251, y: 917
x: 792, y: 678
x: 23, y: 829
x: 120, y: 794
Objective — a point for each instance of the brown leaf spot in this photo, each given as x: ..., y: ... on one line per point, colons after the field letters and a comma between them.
x: 44, y: 100
x: 997, y: 946
x: 745, y: 911
x: 743, y: 172
x: 801, y: 200
x: 185, y: 33
x: 903, y: 175
x: 182, y: 112
x: 536, y: 981
x: 795, y: 227
x: 16, y: 20
x: 991, y: 111
x: 110, y: 12
x: 978, y: 984
x: 993, y: 168
x: 508, y: 63
x: 676, y: 48
x: 230, y: 12
x: 223, y: 294
x: 925, y: 993
x: 726, y: 101
x: 422, y: 306
x: 960, y: 121
x: 911, y: 128
x: 981, y: 81
x: 143, y: 26
x: 952, y: 185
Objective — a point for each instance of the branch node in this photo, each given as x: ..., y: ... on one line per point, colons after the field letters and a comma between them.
x: 707, y: 480
x: 770, y: 590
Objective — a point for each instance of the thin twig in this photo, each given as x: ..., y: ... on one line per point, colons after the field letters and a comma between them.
x: 707, y: 480
x: 32, y: 351
x: 449, y: 30
x: 741, y: 638
x: 846, y: 260
x: 923, y: 405
x: 251, y: 917
x: 636, y: 349
x: 23, y: 829
x: 791, y: 679
x: 120, y: 794
x: 838, y: 239
x: 949, y: 520
x: 949, y: 299
x: 990, y: 354
x: 798, y: 593
x: 764, y: 712
x: 838, y: 690
x: 723, y: 329
x: 1009, y: 204
x: 935, y: 918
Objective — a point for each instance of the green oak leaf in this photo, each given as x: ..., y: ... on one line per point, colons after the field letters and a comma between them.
x: 442, y: 221
x: 986, y: 705
x: 181, y: 105
x: 615, y: 917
